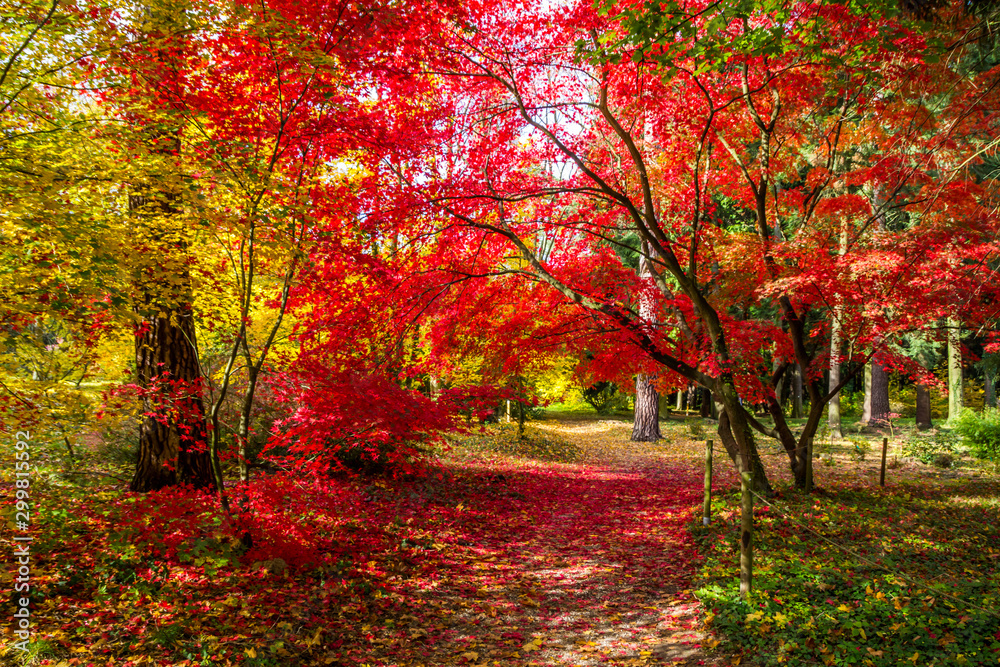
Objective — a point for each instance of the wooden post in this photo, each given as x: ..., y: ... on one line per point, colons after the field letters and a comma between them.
x: 746, y: 535
x: 809, y: 465
x: 707, y: 506
x: 881, y: 477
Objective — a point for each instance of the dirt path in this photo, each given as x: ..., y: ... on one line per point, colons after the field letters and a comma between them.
x: 586, y: 563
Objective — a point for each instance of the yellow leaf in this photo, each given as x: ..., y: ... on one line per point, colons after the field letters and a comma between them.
x: 843, y: 608
x: 314, y: 640
x: 913, y: 658
x: 251, y: 653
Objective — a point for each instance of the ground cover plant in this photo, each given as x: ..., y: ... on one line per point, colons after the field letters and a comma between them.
x: 858, y: 574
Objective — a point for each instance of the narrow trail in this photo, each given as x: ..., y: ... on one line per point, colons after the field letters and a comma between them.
x: 588, y: 563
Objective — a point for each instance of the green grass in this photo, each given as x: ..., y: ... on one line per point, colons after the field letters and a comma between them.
x: 862, y: 576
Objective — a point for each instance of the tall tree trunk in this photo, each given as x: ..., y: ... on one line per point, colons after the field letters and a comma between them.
x: 866, y: 408
x: 706, y: 403
x: 955, y: 385
x: 923, y: 407
x: 833, y: 409
x: 173, y: 443
x: 646, y: 426
x: 760, y: 482
x: 779, y: 389
x: 879, y: 394
x: 797, y: 411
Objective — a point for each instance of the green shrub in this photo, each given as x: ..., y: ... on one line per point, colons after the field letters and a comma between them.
x: 928, y: 449
x: 605, y: 398
x: 981, y: 432
x: 852, y: 404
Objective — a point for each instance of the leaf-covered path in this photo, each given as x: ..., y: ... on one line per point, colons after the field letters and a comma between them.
x: 568, y: 548
x: 581, y: 563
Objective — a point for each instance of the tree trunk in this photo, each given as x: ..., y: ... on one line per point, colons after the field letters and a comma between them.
x: 706, y: 403
x: 955, y: 386
x: 797, y: 411
x: 173, y: 443
x: 923, y: 407
x: 833, y: 409
x: 646, y: 427
x: 760, y: 482
x: 779, y: 389
x: 879, y: 395
x: 680, y: 400
x: 866, y: 409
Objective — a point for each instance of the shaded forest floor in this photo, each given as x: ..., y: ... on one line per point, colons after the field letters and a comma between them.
x: 572, y: 547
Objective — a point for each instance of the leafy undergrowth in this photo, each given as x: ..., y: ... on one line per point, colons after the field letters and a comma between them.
x: 534, y: 552
x: 860, y: 575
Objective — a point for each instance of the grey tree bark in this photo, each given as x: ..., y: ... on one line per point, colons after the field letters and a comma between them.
x: 955, y: 384
x: 866, y: 409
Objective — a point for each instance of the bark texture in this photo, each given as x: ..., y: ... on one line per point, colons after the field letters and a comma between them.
x: 761, y: 484
x: 833, y: 409
x: 797, y: 407
x: 923, y: 407
x: 955, y: 384
x: 879, y: 395
x: 646, y: 427
x: 173, y: 443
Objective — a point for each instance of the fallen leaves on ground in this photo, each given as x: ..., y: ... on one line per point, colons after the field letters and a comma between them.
x: 568, y: 547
